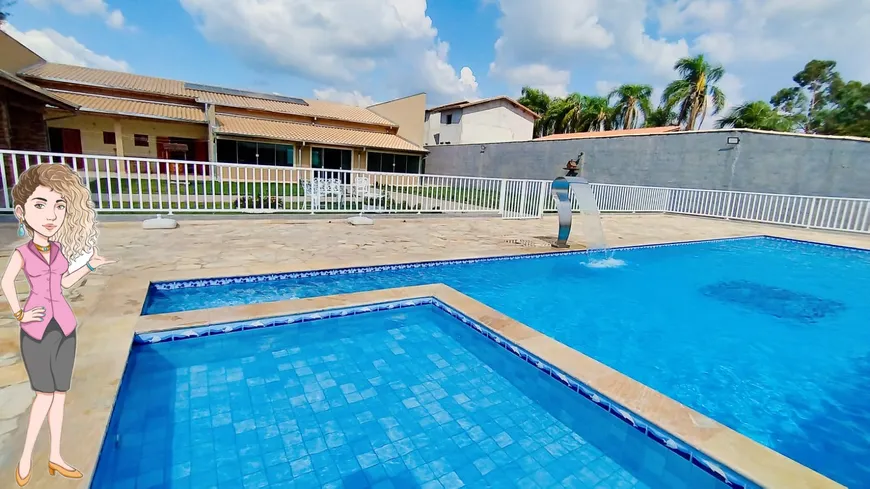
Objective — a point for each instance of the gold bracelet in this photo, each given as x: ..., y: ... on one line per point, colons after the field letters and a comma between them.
x: 19, y: 315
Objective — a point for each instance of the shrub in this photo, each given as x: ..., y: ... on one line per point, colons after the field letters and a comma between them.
x: 258, y: 202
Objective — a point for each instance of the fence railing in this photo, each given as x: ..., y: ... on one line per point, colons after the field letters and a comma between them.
x: 148, y: 185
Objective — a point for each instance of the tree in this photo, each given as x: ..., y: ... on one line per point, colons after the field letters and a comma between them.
x: 661, y: 116
x: 694, y: 90
x: 816, y: 78
x: 792, y: 104
x: 598, y: 115
x: 756, y: 115
x: 849, y: 114
x: 570, y: 113
x: 822, y: 103
x: 632, y: 103
x: 538, y: 102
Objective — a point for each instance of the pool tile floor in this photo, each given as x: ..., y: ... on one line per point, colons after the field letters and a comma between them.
x: 387, y: 401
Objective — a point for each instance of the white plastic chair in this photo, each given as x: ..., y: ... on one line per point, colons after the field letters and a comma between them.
x: 364, y: 189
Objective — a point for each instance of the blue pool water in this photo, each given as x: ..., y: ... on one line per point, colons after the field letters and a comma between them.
x: 767, y: 336
x: 404, y: 398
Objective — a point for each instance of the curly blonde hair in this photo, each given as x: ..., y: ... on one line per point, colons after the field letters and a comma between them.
x: 78, y: 234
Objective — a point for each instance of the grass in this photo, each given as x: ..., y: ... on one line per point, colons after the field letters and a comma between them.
x: 265, y: 204
x: 153, y: 186
x: 482, y: 198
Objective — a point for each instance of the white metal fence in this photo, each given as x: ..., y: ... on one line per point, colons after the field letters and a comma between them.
x: 148, y: 185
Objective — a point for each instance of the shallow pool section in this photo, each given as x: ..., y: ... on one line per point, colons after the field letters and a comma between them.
x: 399, y: 397
x: 767, y: 336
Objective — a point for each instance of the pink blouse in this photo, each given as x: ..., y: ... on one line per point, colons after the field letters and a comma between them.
x: 45, y: 289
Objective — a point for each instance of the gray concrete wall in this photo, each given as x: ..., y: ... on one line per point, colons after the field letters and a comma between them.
x: 762, y: 162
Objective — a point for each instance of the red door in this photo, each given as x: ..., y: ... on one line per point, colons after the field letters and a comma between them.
x: 72, y: 144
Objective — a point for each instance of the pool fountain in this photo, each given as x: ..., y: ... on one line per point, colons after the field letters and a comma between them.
x: 574, y: 194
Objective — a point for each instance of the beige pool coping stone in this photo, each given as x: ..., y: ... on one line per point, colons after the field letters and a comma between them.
x: 103, y: 351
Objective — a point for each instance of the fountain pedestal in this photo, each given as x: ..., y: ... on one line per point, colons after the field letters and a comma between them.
x: 561, y: 190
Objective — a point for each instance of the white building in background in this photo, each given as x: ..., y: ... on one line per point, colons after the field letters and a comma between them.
x: 489, y: 120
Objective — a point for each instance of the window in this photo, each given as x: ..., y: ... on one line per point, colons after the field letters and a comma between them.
x: 251, y: 153
x: 140, y: 140
x: 109, y: 138
x: 392, y: 163
x: 284, y: 155
x: 226, y: 151
x: 247, y: 153
x: 449, y: 119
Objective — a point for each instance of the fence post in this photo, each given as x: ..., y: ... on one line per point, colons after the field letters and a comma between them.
x: 810, y: 215
x: 502, y: 191
x: 728, y: 206
x: 543, y: 199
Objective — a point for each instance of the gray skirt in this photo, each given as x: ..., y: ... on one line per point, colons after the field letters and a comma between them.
x: 49, y: 361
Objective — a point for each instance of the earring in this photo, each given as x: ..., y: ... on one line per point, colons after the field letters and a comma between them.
x: 21, y: 231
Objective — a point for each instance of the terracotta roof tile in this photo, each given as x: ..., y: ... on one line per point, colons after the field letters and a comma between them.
x: 105, y: 78
x: 133, y: 108
x: 147, y: 84
x: 315, y: 108
x: 310, y: 133
x: 618, y: 132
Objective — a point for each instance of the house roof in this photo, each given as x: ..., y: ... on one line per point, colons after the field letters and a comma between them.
x: 644, y: 131
x: 310, y: 133
x: 91, y: 77
x: 14, y: 83
x: 132, y: 107
x: 465, y: 103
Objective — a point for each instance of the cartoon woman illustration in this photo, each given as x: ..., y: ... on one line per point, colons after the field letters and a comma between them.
x: 55, y: 210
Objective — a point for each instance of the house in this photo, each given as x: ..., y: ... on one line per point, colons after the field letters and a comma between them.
x: 491, y: 120
x: 136, y: 116
x: 23, y: 105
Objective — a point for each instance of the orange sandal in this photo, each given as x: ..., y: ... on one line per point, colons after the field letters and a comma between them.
x: 22, y: 481
x: 69, y: 474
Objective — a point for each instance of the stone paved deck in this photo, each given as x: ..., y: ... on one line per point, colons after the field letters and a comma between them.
x: 108, y: 303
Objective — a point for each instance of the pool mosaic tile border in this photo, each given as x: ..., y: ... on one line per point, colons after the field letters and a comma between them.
x: 672, y: 443
x: 271, y: 277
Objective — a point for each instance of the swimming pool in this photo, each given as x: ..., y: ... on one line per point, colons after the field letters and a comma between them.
x: 398, y: 397
x: 767, y: 336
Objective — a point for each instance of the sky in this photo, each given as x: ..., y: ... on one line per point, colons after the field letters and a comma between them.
x: 367, y: 51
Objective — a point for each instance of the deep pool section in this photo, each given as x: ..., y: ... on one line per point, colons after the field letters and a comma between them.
x: 405, y: 398
x: 767, y: 336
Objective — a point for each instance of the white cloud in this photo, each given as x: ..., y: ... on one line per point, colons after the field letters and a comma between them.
x: 337, y: 42
x: 732, y: 86
x: 113, y: 17
x: 604, y: 87
x: 348, y: 98
x: 551, y: 81
x: 57, y: 48
x: 744, y: 33
x: 440, y: 75
x: 581, y: 35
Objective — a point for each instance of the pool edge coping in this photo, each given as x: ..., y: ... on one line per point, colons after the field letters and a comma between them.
x: 209, y: 281
x: 714, y: 441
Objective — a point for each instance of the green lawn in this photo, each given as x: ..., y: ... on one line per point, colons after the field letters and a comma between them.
x: 482, y: 198
x: 154, y: 186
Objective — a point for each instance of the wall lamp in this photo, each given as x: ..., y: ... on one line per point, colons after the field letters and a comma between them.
x: 482, y: 148
x: 733, y: 140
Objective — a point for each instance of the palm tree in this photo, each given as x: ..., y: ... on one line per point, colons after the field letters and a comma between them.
x: 693, y: 91
x: 598, y: 114
x: 538, y: 102
x: 631, y: 101
x: 756, y: 115
x: 570, y: 113
x: 662, y: 116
